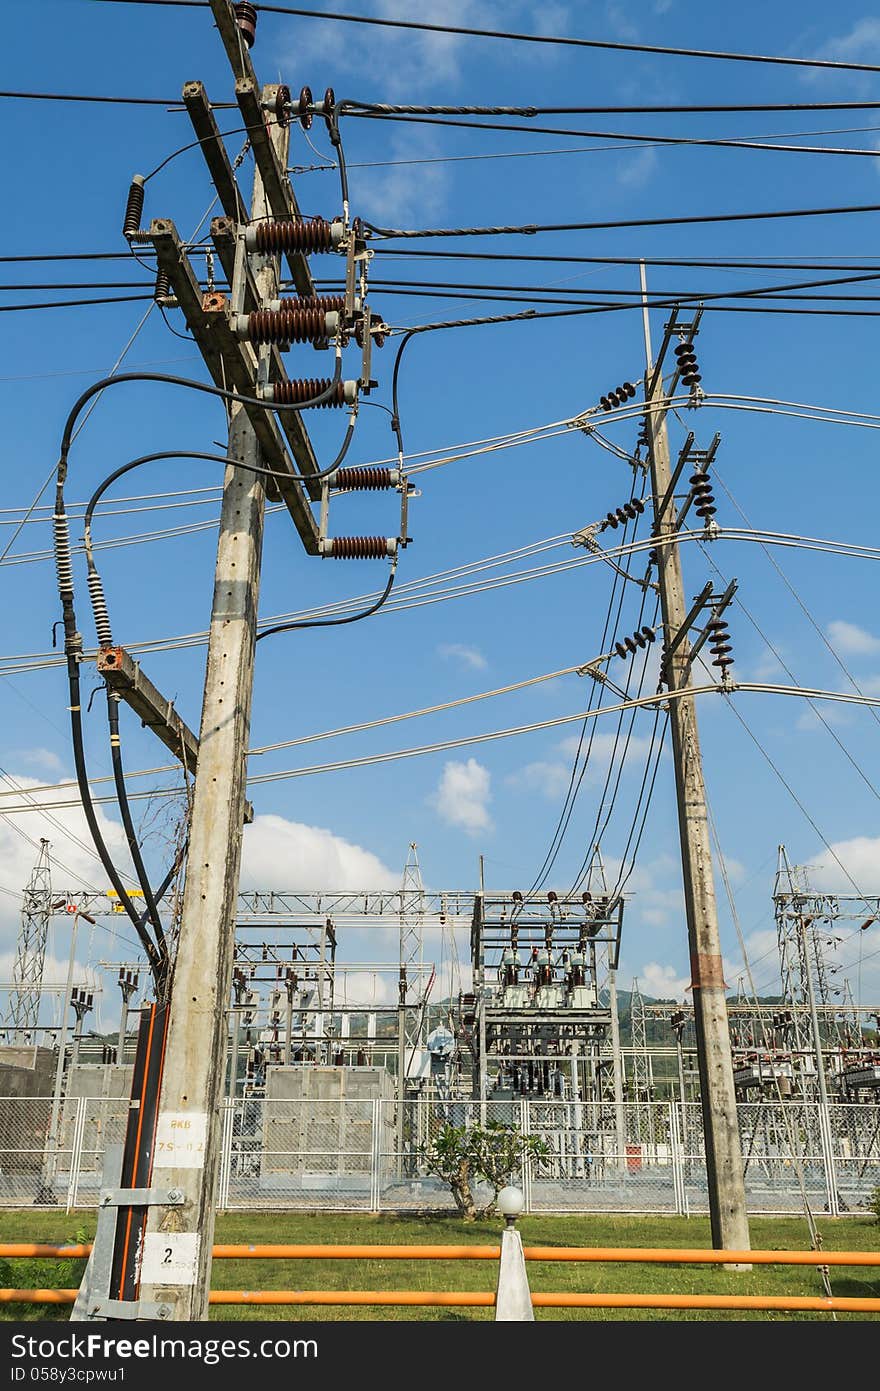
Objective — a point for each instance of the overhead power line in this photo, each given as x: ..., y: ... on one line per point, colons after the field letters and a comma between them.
x: 662, y: 109
x: 557, y: 40
x: 690, y: 219
x: 370, y: 760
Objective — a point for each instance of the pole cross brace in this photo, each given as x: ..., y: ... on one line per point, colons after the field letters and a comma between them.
x: 141, y: 1197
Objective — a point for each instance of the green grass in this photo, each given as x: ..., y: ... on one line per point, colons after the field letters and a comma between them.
x: 845, y: 1233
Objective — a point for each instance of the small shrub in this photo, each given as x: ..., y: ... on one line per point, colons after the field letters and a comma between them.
x: 464, y: 1155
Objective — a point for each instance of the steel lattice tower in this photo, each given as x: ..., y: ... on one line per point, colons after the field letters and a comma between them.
x: 412, y: 965
x: 640, y: 1062
x: 30, y: 954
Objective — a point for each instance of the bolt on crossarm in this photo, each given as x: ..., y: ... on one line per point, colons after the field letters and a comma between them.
x: 724, y: 1168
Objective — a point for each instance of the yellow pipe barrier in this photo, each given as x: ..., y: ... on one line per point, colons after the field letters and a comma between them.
x: 486, y: 1299
x: 665, y: 1255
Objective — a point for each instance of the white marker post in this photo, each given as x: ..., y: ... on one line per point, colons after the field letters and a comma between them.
x: 513, y: 1298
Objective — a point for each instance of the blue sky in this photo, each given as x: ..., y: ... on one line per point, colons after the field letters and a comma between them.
x: 70, y: 166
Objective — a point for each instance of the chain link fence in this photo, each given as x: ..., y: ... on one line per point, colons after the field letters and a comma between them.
x: 369, y: 1155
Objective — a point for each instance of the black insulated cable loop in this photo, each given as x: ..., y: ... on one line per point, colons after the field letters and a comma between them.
x: 129, y: 827
x: 334, y: 622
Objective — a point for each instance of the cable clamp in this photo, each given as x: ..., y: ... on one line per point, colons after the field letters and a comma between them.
x: 587, y: 537
x: 584, y: 422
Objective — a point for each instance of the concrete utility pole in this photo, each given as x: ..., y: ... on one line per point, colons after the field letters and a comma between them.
x: 188, y: 1133
x: 724, y: 1168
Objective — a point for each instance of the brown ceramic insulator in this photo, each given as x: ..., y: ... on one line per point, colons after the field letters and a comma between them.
x: 246, y: 19
x: 162, y: 288
x: 286, y: 325
x: 283, y: 103
x: 328, y: 304
x: 359, y: 547
x: 302, y: 392
x: 329, y: 102
x: 303, y: 111
x: 316, y: 235
x: 363, y: 479
x: 134, y: 206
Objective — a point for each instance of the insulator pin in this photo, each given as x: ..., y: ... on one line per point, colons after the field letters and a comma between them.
x: 246, y: 19
x: 99, y: 609
x: 621, y: 515
x: 641, y: 638
x: 315, y: 235
x: 357, y: 547
x: 704, y: 498
x: 134, y: 207
x: 358, y: 480
x: 617, y: 396
x: 303, y: 109
x: 303, y: 392
x: 63, y: 558
x: 687, y: 364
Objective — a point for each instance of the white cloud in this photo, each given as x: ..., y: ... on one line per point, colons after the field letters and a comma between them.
x: 637, y: 169
x: 860, y: 44
x: 411, y: 61
x: 551, y: 777
x: 858, y: 857
x: 463, y: 795
x: 406, y: 191
x: 814, y: 717
x: 20, y: 835
x: 281, y: 854
x: 662, y: 982
x: 37, y: 758
x: 368, y: 988
x: 468, y: 656
x: 851, y: 639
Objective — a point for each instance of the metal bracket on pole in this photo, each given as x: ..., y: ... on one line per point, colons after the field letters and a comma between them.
x: 701, y: 459
x: 718, y: 607
x: 93, y: 1300
x: 698, y: 604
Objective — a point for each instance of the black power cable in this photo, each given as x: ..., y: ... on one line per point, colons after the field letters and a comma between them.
x: 152, y: 911
x: 638, y: 140
x: 545, y: 39
x: 532, y: 229
x: 334, y: 622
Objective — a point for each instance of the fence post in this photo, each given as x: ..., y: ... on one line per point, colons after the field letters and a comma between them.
x: 828, y: 1159
x: 226, y: 1128
x: 525, y: 1122
x: 677, y: 1157
x: 76, y: 1149
x: 375, y: 1154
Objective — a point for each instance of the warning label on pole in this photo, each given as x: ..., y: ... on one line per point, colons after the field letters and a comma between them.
x: 181, y: 1137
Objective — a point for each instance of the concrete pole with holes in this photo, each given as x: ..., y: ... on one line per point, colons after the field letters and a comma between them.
x: 188, y: 1134
x: 724, y: 1167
